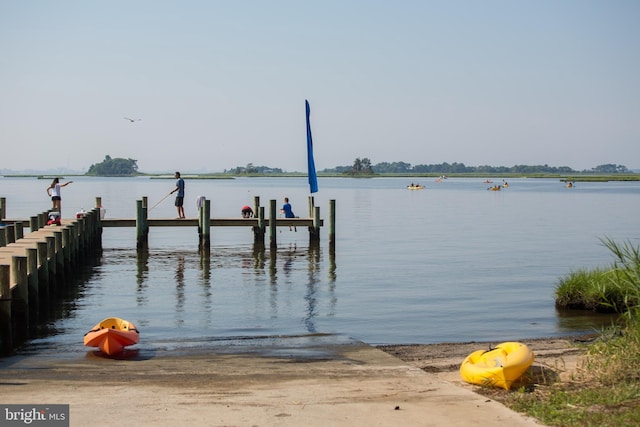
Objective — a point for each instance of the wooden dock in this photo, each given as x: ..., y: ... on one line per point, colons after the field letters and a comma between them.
x: 34, y: 266
x: 259, y: 224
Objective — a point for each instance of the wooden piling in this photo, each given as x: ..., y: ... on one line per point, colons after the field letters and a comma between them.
x: 6, y: 329
x: 332, y: 223
x: 42, y: 219
x: 20, y: 303
x: 3, y: 208
x: 142, y: 229
x: 256, y: 205
x: 11, y: 233
x: 272, y: 223
x: 314, y: 230
x: 259, y: 230
x: 311, y: 203
x: 19, y: 230
x: 204, y: 214
x: 32, y: 284
x: 51, y: 260
x: 43, y: 271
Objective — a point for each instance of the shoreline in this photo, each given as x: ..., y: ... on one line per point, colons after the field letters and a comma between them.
x: 311, y: 381
x: 555, y: 358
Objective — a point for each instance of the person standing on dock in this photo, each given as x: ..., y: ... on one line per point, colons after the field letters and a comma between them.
x: 180, y: 196
x: 288, y: 211
x: 56, y: 195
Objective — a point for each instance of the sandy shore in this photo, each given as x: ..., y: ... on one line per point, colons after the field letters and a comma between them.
x: 555, y: 358
x: 316, y: 383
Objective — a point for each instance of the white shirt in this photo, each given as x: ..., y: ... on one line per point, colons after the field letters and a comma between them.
x: 55, y: 191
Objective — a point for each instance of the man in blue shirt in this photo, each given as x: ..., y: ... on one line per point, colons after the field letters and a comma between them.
x: 287, y: 211
x: 180, y: 196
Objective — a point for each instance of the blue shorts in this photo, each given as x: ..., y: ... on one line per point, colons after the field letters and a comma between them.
x: 179, y: 201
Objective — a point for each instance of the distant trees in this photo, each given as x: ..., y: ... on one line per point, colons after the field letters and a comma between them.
x: 610, y: 168
x: 443, y: 168
x: 361, y: 167
x: 114, y: 167
x: 395, y: 167
x: 364, y: 166
x: 251, y: 169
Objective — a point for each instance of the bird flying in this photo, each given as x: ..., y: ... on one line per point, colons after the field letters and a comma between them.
x: 132, y: 120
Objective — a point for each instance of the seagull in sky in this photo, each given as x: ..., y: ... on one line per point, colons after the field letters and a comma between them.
x: 132, y: 120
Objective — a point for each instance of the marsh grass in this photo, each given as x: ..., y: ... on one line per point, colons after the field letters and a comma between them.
x: 613, y: 289
x: 605, y: 391
x: 588, y: 290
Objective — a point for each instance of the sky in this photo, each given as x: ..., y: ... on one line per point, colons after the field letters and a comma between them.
x: 220, y: 84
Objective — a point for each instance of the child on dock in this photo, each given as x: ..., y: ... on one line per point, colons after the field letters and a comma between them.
x: 247, y: 212
x: 288, y: 211
x: 54, y: 192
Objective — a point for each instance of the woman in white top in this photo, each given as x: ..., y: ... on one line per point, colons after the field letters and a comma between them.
x: 54, y: 191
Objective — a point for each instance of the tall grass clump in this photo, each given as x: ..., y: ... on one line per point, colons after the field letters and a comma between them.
x: 615, y: 358
x: 613, y: 289
x: 626, y: 276
x: 605, y: 390
x: 586, y: 290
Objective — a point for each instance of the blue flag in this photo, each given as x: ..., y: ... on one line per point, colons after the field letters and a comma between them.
x: 311, y: 166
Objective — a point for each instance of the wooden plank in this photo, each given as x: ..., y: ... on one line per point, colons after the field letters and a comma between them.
x: 215, y: 222
x: 25, y: 222
x: 188, y: 222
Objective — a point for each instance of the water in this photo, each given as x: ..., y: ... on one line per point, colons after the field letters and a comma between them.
x: 450, y: 263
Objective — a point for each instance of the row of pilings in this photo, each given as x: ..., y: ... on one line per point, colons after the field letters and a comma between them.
x: 38, y: 268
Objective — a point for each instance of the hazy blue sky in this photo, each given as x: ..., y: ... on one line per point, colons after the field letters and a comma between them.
x: 219, y: 84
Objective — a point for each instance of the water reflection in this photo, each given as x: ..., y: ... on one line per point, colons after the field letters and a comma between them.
x: 579, y: 320
x: 142, y: 263
x: 257, y: 287
x: 180, y: 297
x: 205, y: 284
x: 332, y: 264
x: 311, y: 297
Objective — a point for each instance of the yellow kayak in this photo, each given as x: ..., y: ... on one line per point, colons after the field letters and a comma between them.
x: 415, y: 187
x: 498, y: 367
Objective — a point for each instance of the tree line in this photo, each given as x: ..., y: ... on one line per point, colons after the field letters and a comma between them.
x: 365, y: 167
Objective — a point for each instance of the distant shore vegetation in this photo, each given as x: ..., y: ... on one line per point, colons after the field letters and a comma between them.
x: 364, y: 168
x: 114, y: 167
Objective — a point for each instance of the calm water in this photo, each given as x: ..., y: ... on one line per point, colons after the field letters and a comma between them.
x: 450, y: 263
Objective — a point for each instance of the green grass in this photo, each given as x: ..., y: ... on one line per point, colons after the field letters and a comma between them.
x: 587, y: 405
x: 612, y: 289
x: 605, y: 391
x: 587, y: 289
